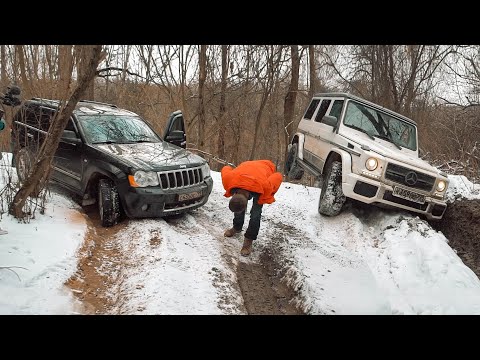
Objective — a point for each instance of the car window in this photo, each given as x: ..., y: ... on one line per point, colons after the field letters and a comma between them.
x: 177, y: 124
x: 380, y: 124
x: 336, y: 109
x: 70, y: 126
x: 311, y: 109
x: 116, y: 129
x: 322, y: 110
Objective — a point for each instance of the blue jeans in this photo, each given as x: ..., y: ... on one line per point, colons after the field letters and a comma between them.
x: 255, y: 217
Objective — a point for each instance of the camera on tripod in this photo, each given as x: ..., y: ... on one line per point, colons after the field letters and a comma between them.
x: 12, y: 96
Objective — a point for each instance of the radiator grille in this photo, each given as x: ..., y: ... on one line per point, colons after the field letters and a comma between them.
x: 181, y: 178
x: 397, y: 173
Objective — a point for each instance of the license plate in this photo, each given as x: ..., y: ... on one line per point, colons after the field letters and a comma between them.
x: 189, y: 196
x: 408, y: 195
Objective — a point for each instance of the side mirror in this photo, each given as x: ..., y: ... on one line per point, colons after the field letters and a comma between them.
x: 329, y: 120
x: 70, y: 137
x: 176, y: 137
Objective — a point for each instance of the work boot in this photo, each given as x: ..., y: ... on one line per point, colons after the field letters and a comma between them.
x: 231, y: 232
x: 247, y: 247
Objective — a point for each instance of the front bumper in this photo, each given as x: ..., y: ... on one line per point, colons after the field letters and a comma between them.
x: 373, y: 191
x: 157, y: 202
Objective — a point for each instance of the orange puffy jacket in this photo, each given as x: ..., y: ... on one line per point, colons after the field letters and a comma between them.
x: 258, y: 176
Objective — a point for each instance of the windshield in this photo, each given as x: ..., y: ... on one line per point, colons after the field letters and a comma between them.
x: 379, y: 124
x: 101, y: 129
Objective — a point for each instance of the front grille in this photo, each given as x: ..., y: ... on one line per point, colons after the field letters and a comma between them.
x: 397, y: 173
x: 181, y: 178
x: 389, y: 197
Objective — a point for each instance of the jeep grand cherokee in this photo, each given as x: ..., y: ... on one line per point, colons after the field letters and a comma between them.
x: 112, y: 157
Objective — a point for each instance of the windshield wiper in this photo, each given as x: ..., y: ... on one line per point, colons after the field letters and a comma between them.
x: 361, y: 130
x: 388, y: 136
x: 106, y: 142
x: 389, y: 139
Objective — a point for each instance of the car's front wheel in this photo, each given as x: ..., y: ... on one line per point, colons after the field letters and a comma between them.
x: 108, y: 202
x: 332, y: 198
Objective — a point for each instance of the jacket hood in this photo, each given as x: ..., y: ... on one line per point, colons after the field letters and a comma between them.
x: 152, y: 156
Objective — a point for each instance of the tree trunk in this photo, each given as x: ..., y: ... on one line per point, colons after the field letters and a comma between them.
x: 41, y: 168
x: 291, y: 96
x: 313, y: 73
x: 83, y: 54
x: 23, y: 71
x: 201, y: 102
x: 221, y: 117
x: 65, y: 69
x: 3, y: 65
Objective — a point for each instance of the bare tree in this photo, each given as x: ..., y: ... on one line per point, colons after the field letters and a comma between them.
x: 3, y: 65
x: 221, y: 117
x: 201, y: 84
x: 41, y: 168
x: 291, y: 96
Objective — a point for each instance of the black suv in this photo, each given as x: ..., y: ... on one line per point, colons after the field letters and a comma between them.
x: 112, y: 157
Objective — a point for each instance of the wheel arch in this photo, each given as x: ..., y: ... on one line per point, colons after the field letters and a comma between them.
x: 299, y: 139
x: 341, y: 156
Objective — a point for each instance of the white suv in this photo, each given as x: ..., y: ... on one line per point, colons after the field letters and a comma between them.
x: 363, y: 151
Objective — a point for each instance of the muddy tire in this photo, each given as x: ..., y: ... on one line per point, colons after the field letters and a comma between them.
x: 292, y: 169
x: 332, y: 198
x: 108, y: 202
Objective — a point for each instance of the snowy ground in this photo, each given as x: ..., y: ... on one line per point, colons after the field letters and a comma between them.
x: 360, y: 262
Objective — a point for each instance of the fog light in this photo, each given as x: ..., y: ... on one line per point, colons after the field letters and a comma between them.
x: 144, y: 207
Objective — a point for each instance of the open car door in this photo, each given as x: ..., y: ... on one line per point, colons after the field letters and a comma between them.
x: 175, y: 130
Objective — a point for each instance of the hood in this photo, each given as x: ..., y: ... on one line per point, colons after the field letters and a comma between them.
x: 390, y: 151
x: 151, y: 156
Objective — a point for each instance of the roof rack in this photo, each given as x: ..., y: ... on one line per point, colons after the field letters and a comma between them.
x: 98, y: 102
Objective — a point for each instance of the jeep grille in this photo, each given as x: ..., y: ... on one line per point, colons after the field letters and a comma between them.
x: 183, y: 178
x: 398, y: 174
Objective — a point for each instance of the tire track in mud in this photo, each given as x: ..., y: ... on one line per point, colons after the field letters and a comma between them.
x: 98, y: 278
x: 258, y: 280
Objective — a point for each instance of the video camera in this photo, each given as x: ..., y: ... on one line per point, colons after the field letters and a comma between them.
x: 12, y: 96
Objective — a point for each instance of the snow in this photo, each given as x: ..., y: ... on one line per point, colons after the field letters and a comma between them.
x: 359, y: 262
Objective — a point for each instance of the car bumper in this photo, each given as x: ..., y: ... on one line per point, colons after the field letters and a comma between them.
x: 373, y: 191
x: 156, y: 202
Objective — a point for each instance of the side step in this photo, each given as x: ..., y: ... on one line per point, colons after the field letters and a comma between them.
x: 308, y: 168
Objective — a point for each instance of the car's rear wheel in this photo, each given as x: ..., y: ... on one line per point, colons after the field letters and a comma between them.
x: 292, y: 169
x: 108, y: 202
x: 332, y: 198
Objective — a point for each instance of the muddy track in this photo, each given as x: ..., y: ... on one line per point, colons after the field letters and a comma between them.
x: 258, y: 276
x: 97, y: 280
x: 263, y: 291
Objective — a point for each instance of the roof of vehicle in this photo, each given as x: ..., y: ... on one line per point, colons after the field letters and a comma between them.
x: 366, y: 102
x: 84, y: 107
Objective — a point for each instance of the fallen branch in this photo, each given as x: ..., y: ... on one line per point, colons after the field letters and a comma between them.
x: 213, y: 157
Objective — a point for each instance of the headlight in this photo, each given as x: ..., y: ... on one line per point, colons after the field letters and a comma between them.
x: 371, y: 164
x: 205, y: 170
x: 143, y: 179
x: 441, y: 185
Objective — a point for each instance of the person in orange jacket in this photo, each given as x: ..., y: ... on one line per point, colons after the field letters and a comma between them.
x: 257, y: 180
